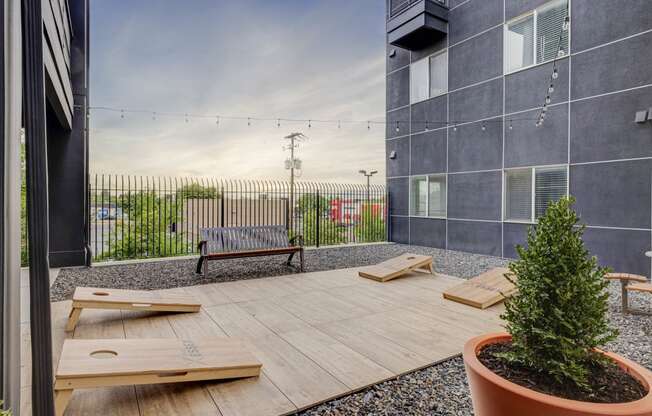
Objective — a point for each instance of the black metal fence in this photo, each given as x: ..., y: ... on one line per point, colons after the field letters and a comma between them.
x: 134, y: 217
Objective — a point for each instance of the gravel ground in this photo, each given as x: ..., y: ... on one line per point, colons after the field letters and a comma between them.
x: 175, y: 273
x: 437, y: 390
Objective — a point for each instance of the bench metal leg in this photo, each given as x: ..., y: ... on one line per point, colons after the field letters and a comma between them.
x: 289, y: 262
x: 200, y: 263
x: 625, y: 300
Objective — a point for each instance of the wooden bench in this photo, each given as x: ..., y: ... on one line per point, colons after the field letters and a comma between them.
x: 631, y: 282
x: 237, y: 242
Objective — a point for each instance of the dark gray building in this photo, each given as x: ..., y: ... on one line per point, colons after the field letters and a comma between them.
x: 469, y: 165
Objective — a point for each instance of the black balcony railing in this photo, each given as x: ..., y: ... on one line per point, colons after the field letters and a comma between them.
x: 134, y: 217
x: 397, y: 6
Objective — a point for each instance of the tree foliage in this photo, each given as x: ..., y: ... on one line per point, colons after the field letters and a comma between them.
x: 559, y: 315
x: 371, y: 227
x: 197, y: 191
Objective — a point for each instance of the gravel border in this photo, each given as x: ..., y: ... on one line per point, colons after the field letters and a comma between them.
x: 440, y: 389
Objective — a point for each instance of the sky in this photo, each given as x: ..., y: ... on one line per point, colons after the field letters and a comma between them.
x: 305, y: 59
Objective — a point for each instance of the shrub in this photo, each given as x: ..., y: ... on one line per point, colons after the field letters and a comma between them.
x: 559, y: 315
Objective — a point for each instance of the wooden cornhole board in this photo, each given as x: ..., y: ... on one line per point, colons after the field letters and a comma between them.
x: 115, y: 362
x: 484, y: 290
x: 398, y: 266
x: 140, y: 300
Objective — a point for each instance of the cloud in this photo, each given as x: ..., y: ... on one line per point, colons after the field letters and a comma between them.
x: 308, y: 59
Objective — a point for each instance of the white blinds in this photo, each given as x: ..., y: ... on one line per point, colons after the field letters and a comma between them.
x: 550, y: 185
x: 550, y: 22
x: 437, y: 196
x: 518, y: 195
x: 418, y: 195
x: 419, y: 77
x: 520, y: 44
x: 438, y: 74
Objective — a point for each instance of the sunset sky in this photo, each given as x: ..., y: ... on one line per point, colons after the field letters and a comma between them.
x: 307, y: 59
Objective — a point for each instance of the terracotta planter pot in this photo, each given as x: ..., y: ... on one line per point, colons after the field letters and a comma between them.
x: 493, y: 395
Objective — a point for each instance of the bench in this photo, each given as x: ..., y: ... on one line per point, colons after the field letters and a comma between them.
x: 631, y: 282
x: 237, y: 242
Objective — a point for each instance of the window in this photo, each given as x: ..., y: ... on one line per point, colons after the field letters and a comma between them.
x: 529, y: 191
x: 428, y: 196
x: 536, y: 37
x: 429, y: 77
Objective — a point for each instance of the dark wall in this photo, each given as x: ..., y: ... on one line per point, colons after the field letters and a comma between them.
x: 590, y: 128
x: 68, y: 156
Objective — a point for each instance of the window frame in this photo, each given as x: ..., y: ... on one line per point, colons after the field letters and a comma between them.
x: 533, y: 170
x: 535, y: 14
x: 427, y: 210
x: 428, y: 59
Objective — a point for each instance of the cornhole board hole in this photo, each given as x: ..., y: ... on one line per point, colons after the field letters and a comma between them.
x: 397, y: 267
x: 92, y: 363
x: 484, y: 290
x: 135, y: 300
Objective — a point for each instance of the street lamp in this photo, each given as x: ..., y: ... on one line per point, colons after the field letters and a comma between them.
x: 368, y: 175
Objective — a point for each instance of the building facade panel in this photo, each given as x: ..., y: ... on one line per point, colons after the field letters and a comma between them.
x: 397, y: 123
x: 398, y: 89
x: 477, y: 102
x: 472, y: 147
x: 400, y: 165
x: 622, y: 250
x: 602, y: 128
x: 398, y: 196
x: 520, y: 85
x: 527, y: 145
x: 397, y: 58
x: 475, y: 237
x: 614, y: 19
x: 475, y: 196
x: 613, y: 67
x: 464, y: 66
x: 429, y: 114
x: 474, y: 17
x: 613, y: 194
x: 429, y: 149
x: 429, y: 232
x: 400, y: 229
x: 514, y: 234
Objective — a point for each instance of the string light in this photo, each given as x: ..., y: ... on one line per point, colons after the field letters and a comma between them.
x: 309, y: 124
x: 122, y: 114
x: 455, y: 127
x: 217, y: 121
x: 278, y: 123
x: 483, y: 126
x: 555, y: 74
x: 397, y: 127
x: 511, y: 127
x: 339, y: 125
x: 426, y: 125
x: 249, y: 121
x: 154, y: 115
x: 186, y: 117
x: 368, y: 125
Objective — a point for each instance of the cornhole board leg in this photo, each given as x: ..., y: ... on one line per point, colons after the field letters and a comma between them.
x: 73, y: 318
x: 61, y: 399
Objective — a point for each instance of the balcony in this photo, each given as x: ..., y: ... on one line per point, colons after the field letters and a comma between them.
x: 414, y: 25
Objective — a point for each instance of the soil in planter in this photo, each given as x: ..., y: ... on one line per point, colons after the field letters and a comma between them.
x: 608, y: 383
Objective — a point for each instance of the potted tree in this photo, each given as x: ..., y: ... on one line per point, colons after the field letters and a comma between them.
x: 548, y: 363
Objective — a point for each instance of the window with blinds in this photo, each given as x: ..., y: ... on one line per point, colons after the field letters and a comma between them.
x: 429, y: 77
x: 428, y: 196
x: 529, y: 191
x: 437, y: 196
x: 550, y: 185
x: 518, y: 195
x: 537, y: 37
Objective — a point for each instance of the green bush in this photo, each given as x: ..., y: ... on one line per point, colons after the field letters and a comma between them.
x: 559, y: 315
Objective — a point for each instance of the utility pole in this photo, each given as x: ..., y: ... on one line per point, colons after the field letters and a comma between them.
x: 368, y: 175
x: 291, y: 164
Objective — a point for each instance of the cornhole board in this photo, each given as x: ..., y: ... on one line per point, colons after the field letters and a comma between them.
x: 398, y: 266
x: 92, y: 363
x: 140, y: 300
x: 484, y: 290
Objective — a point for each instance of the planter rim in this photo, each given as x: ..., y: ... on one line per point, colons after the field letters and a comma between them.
x: 644, y: 376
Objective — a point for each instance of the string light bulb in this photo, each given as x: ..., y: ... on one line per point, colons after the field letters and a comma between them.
x: 339, y: 124
x: 551, y: 89
x: 548, y: 99
x: 484, y: 127
x: 511, y: 127
x: 397, y: 127
x: 278, y: 123
x: 217, y: 121
x: 122, y: 114
x: 309, y: 124
x: 154, y: 115
x: 249, y: 121
x: 555, y: 74
x: 426, y: 125
x: 186, y: 117
x: 368, y: 125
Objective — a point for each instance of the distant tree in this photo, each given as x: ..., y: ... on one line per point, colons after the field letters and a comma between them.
x: 197, y: 191
x: 371, y: 227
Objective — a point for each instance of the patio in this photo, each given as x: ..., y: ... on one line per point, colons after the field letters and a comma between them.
x: 319, y: 335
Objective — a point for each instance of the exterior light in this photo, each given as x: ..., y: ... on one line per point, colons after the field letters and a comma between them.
x: 551, y: 89
x: 555, y: 74
x: 548, y: 100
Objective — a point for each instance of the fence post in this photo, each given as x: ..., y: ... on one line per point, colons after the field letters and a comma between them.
x: 222, y: 197
x: 388, y: 222
x: 317, y: 220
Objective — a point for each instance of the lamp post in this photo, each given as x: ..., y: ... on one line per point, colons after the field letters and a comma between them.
x: 368, y: 175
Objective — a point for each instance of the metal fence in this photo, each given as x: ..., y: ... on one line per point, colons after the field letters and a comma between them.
x: 134, y: 217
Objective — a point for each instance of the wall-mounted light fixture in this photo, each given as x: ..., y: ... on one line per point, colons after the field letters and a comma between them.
x: 392, y: 154
x: 641, y: 116
x: 392, y: 53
